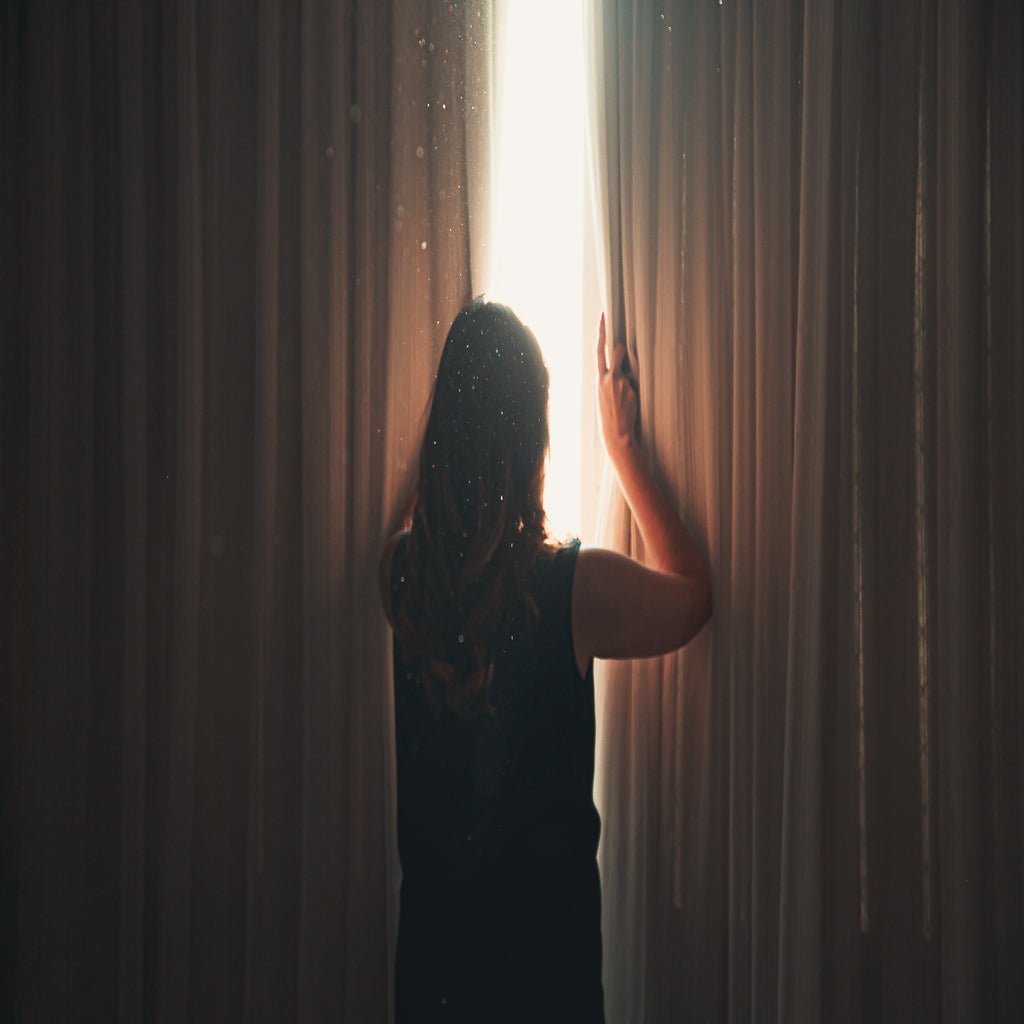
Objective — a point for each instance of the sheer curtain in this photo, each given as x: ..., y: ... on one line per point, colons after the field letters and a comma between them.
x: 814, y: 222
x: 233, y: 236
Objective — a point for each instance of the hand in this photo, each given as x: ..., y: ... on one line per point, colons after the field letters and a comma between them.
x: 616, y: 398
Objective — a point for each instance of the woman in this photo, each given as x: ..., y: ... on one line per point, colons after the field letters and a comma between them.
x: 496, y: 629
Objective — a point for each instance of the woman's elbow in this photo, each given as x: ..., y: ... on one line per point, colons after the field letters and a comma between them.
x: 704, y: 602
x: 698, y: 610
x: 709, y: 603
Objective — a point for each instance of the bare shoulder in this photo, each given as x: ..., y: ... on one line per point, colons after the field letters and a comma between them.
x: 384, y: 571
x: 623, y: 609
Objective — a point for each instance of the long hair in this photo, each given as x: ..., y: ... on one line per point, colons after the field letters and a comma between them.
x: 479, y: 523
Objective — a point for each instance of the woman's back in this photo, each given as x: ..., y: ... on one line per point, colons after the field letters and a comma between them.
x: 497, y: 829
x: 495, y: 636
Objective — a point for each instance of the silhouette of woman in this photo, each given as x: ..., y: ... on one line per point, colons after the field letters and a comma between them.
x: 495, y: 632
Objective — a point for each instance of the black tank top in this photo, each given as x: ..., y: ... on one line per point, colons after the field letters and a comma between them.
x: 500, y: 916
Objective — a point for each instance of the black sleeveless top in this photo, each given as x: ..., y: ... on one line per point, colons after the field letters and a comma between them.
x: 500, y: 915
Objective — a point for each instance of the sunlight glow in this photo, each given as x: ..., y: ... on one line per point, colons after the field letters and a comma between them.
x: 538, y: 218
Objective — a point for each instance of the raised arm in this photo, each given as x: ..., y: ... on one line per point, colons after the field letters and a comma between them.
x: 622, y: 609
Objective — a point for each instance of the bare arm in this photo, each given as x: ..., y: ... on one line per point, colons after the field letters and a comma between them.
x: 622, y: 609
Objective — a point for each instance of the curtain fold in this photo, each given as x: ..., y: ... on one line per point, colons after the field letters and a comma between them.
x: 234, y: 237
x: 812, y: 215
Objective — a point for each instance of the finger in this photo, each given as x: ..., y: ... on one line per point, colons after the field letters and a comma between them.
x: 618, y: 355
x: 602, y: 361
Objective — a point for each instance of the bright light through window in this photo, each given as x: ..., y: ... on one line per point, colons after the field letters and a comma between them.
x: 538, y: 219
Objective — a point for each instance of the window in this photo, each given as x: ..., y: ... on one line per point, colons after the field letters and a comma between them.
x: 541, y: 264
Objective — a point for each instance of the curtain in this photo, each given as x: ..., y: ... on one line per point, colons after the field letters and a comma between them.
x: 233, y: 237
x: 813, y: 216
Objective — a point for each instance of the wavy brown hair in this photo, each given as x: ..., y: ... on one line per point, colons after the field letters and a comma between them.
x: 478, y: 525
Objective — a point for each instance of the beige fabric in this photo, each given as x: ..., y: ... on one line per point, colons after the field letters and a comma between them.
x: 814, y: 225
x: 234, y: 236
